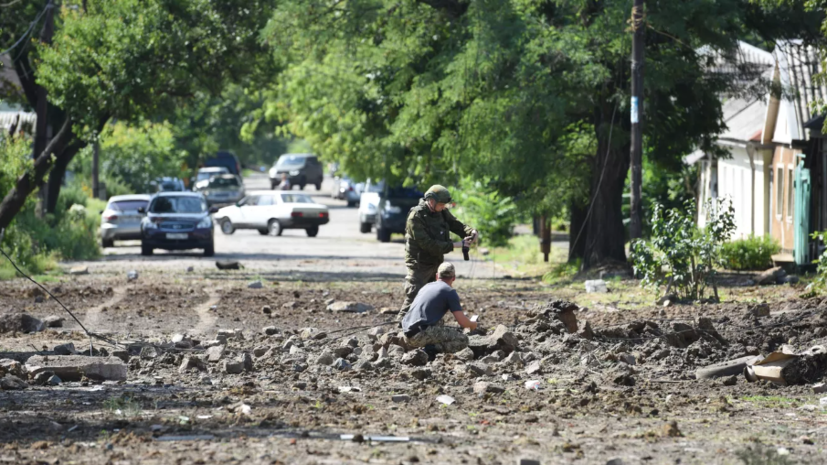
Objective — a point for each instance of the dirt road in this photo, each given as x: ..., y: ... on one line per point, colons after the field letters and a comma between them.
x: 339, y: 252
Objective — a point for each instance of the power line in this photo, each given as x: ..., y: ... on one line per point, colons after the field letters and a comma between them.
x: 48, y: 7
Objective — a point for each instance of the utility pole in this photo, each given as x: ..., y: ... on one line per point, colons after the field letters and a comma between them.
x: 638, y: 25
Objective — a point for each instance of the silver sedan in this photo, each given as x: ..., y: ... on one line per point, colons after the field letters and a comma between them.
x: 121, y: 219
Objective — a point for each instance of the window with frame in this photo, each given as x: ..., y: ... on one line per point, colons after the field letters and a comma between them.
x: 779, y: 191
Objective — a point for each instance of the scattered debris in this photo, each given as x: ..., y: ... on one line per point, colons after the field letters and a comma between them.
x: 596, y: 286
x: 132, y: 275
x: 255, y: 285
x: 54, y: 321
x: 227, y: 265
x: 10, y: 382
x: 771, y: 276
x: 20, y: 323
x: 728, y: 368
x: 79, y: 270
x: 349, y: 307
x: 445, y: 399
x: 75, y: 367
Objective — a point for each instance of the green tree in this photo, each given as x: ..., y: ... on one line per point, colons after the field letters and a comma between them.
x: 137, y: 60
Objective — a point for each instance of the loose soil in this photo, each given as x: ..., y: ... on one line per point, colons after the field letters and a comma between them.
x: 623, y: 388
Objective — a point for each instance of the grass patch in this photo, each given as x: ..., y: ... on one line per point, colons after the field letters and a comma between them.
x: 126, y: 405
x: 522, y: 256
x: 771, y: 401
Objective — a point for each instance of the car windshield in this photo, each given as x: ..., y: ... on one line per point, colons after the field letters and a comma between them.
x: 182, y: 204
x: 127, y: 205
x: 295, y: 198
x: 221, y: 181
x: 290, y: 160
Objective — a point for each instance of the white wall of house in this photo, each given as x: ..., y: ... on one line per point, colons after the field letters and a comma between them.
x: 734, y: 183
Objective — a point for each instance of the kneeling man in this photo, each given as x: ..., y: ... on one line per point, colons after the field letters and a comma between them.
x: 422, y: 325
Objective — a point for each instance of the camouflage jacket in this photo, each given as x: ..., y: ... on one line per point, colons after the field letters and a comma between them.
x: 427, y: 234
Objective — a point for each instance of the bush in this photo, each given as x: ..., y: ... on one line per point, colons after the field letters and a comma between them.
x: 485, y: 211
x: 752, y: 253
x: 679, y: 255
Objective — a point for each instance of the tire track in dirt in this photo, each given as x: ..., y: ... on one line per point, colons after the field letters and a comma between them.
x: 93, y: 315
x: 206, y: 317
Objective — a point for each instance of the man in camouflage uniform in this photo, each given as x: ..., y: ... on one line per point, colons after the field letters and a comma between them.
x: 427, y: 240
x: 423, y: 326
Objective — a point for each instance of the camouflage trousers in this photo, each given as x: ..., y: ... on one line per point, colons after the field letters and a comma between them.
x: 444, y: 338
x: 418, y: 276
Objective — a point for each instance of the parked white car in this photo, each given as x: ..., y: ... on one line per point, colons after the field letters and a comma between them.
x: 369, y: 205
x: 271, y: 212
x: 121, y: 220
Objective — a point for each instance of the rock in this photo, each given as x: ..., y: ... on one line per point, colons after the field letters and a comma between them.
x: 349, y: 307
x: 325, y: 359
x: 227, y: 265
x: 54, y: 321
x: 74, y: 367
x: 466, y: 355
x: 586, y: 332
x: 789, y: 279
x: 270, y: 330
x: 770, y: 276
x: 54, y: 380
x: 730, y: 381
x: 819, y: 388
x: 671, y: 430
x: 41, y: 378
x: 759, y: 310
x: 190, y: 363
x: 233, y: 368
x: 376, y: 331
x: 255, y: 285
x: 416, y: 357
x: 401, y: 398
x: 363, y: 365
x: 205, y: 379
x: 480, y: 369
x: 534, y: 367
x: 482, y: 387
x: 176, y: 338
x: 311, y: 333
x: 341, y: 364
x: 267, y: 310
x: 121, y: 354
x: 12, y: 367
x: 484, y: 252
x: 628, y: 359
x: 215, y: 353
x: 596, y: 286
x: 20, y: 323
x: 190, y: 269
x: 342, y: 351
x: 38, y: 299
x: 65, y: 349
x: 149, y: 353
x: 260, y: 351
x: 420, y: 373
x: 513, y: 359
x: 445, y: 399
x: 78, y: 270
x: 528, y: 462
x: 12, y: 383
x: 388, y: 311
x: 131, y: 275
x: 500, y: 339
x: 246, y: 361
x: 615, y: 461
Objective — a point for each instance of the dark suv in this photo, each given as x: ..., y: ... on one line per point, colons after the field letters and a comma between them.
x: 392, y: 211
x: 227, y: 160
x: 177, y: 221
x: 301, y: 169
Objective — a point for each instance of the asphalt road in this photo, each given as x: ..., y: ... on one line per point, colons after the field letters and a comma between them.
x: 339, y: 253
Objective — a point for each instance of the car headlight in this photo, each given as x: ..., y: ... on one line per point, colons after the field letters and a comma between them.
x: 205, y: 223
x: 294, y: 173
x: 273, y: 172
x: 147, y: 224
x: 391, y: 208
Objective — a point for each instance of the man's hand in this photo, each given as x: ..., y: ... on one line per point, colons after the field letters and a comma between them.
x: 474, y: 236
x: 479, y: 330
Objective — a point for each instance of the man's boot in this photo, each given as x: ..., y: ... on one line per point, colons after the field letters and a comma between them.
x: 430, y: 349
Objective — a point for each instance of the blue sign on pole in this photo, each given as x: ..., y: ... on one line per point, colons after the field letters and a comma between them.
x: 634, y: 111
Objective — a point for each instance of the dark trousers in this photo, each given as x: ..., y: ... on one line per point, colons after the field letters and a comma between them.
x: 418, y: 276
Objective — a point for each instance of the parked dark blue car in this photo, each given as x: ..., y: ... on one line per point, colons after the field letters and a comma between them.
x: 178, y: 221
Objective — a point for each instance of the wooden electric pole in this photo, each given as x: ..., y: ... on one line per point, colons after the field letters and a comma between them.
x: 42, y: 133
x: 638, y: 25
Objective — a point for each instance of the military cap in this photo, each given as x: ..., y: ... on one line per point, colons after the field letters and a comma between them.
x: 440, y: 193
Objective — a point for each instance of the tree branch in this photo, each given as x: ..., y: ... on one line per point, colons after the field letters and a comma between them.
x: 454, y: 8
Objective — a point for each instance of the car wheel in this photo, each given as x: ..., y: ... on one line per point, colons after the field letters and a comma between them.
x: 312, y: 231
x: 209, y: 250
x: 107, y: 243
x: 273, y: 185
x: 264, y: 231
x: 319, y: 185
x: 274, y: 228
x: 145, y: 249
x: 364, y: 228
x: 227, y: 226
x: 383, y: 235
x: 351, y: 203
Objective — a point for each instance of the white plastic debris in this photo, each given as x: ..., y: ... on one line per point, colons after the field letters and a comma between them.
x: 596, y: 285
x: 444, y: 399
x: 823, y: 402
x: 533, y: 385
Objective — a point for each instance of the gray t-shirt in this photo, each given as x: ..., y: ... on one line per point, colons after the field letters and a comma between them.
x: 431, y: 304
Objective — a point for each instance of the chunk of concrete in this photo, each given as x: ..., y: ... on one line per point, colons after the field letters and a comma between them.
x: 596, y: 286
x: 12, y: 383
x: 74, y: 367
x: 215, y: 353
x: 349, y: 307
x: 233, y: 368
x: 415, y: 358
x: 20, y: 323
x: 227, y: 265
x: 78, y: 270
x: 191, y: 363
x: 54, y: 321
x: 255, y: 285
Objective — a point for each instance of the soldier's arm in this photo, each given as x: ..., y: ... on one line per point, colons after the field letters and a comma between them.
x: 424, y: 241
x: 457, y: 227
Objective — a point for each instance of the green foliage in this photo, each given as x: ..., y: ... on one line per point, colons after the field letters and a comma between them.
x: 491, y: 214
x: 820, y: 281
x: 752, y: 253
x: 679, y: 255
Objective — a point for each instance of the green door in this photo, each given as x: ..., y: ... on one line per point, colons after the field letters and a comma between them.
x: 801, y: 246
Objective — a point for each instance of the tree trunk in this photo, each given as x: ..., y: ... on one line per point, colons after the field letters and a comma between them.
x: 28, y: 181
x: 577, y: 232
x: 605, y: 234
x: 61, y: 163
